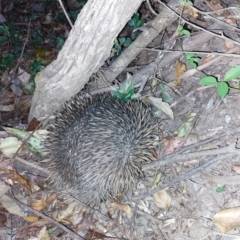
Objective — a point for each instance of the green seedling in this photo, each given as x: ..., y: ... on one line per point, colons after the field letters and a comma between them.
x: 192, y: 59
x: 221, y: 189
x: 222, y: 86
x: 182, y: 31
x: 121, y: 42
x: 126, y: 90
x: 136, y: 21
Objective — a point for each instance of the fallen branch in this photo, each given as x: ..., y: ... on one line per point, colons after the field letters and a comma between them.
x: 230, y: 149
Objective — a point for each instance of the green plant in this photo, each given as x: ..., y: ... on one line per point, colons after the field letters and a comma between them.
x: 136, y: 21
x: 222, y: 86
x: 182, y: 31
x: 221, y: 189
x: 121, y: 42
x: 126, y: 89
x: 192, y: 59
x: 6, y: 61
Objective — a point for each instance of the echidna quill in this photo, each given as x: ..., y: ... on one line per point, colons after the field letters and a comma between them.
x: 96, y: 146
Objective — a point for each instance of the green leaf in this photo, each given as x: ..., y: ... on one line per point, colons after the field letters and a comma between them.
x: 208, y: 81
x: 128, y: 41
x: 127, y: 88
x: 4, y: 28
x: 222, y: 89
x: 182, y: 31
x: 221, y: 189
x: 121, y: 40
x: 189, y: 55
x: 196, y: 59
x: 6, y: 60
x: 192, y: 63
x: 180, y: 28
x: 135, y: 21
x: 184, y: 129
x: 166, y: 97
x: 185, y: 32
x: 232, y: 73
x: 60, y: 41
x: 4, y: 38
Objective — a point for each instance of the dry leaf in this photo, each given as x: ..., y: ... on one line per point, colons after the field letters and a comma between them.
x: 9, y: 145
x: 236, y: 168
x: 3, y: 220
x: 173, y: 144
x: 162, y: 200
x: 31, y: 218
x: 229, y: 44
x: 17, y: 177
x: 163, y: 106
x: 51, y: 198
x: 69, y: 211
x: 6, y: 108
x: 43, y: 234
x: 125, y: 208
x: 3, y: 188
x: 11, y: 205
x: 39, y: 205
x: 208, y: 58
x: 231, y: 21
x: 180, y: 68
x: 214, y: 7
x: 227, y: 219
x: 190, y: 11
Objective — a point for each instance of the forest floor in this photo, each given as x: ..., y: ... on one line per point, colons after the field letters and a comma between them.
x: 194, y: 66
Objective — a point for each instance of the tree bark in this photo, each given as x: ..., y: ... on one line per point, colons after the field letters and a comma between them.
x: 87, y: 47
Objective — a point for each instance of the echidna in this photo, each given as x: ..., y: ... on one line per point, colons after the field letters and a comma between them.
x: 97, y: 144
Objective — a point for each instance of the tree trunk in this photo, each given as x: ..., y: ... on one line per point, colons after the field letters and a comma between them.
x: 87, y: 47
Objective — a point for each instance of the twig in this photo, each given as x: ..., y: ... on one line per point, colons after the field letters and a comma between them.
x: 185, y: 176
x: 65, y: 12
x: 208, y: 14
x: 198, y: 27
x: 207, y: 64
x: 226, y: 54
x: 150, y: 8
x: 47, y: 218
x: 185, y: 157
x: 24, y: 45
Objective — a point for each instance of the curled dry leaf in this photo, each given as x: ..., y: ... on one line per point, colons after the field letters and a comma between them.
x: 163, y: 106
x: 180, y: 68
x: 69, y: 211
x: 43, y: 234
x: 227, y: 219
x: 162, y: 200
x: 39, y: 205
x: 125, y: 208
